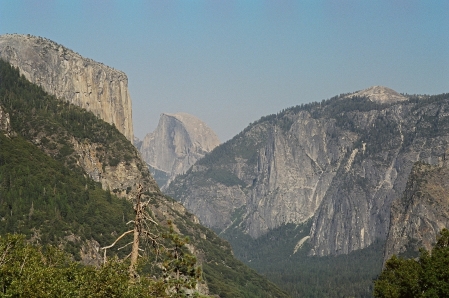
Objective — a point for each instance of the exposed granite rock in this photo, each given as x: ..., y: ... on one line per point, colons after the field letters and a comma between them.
x: 68, y: 75
x: 380, y: 94
x: 422, y: 211
x: 340, y: 162
x: 356, y: 212
x: 90, y: 253
x: 177, y: 143
x: 283, y: 182
x: 120, y: 178
x: 5, y: 123
x: 298, y: 164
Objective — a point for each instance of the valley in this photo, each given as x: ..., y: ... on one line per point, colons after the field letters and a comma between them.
x: 336, y: 166
x: 308, y: 202
x: 68, y: 180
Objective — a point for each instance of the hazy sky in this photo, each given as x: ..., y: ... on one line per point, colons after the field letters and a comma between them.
x: 231, y: 62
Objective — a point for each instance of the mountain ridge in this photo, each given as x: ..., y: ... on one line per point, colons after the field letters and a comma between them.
x: 67, y: 75
x: 54, y: 200
x: 348, y: 148
x: 179, y: 140
x: 379, y: 94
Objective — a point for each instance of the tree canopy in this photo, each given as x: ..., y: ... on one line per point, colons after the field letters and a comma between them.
x: 428, y: 276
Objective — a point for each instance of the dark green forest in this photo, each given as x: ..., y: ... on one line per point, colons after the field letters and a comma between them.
x: 47, y: 197
x: 301, y: 275
x: 272, y: 254
x: 425, y: 276
x: 41, y: 198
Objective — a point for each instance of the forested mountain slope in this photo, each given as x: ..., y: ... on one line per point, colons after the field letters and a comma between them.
x: 51, y: 156
x: 340, y: 162
x: 320, y: 177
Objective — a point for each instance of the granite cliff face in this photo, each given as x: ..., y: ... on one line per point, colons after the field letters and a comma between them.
x: 120, y: 177
x: 422, y: 212
x: 357, y: 210
x: 68, y: 75
x: 265, y: 186
x: 340, y: 163
x: 177, y: 143
x: 83, y: 145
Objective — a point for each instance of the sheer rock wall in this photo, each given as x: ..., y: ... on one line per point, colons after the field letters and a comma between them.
x: 339, y: 163
x: 177, y: 143
x: 67, y: 75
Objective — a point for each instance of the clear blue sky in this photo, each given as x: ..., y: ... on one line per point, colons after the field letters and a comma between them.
x: 231, y: 62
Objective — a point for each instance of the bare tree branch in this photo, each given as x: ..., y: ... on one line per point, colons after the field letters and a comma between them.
x: 140, y: 230
x: 2, y: 260
x: 116, y: 240
x: 124, y: 246
x: 150, y: 219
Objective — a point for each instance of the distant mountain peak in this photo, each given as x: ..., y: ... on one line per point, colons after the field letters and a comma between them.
x: 179, y: 140
x: 380, y: 94
x: 200, y: 134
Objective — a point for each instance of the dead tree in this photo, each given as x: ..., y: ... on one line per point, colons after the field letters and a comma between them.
x: 140, y: 230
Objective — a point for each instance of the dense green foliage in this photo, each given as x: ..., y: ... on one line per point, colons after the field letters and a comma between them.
x: 306, y: 276
x: 51, y: 123
x: 47, y: 197
x: 225, y: 275
x: 230, y: 278
x: 179, y: 267
x: 379, y: 133
x: 427, y: 276
x: 41, y: 198
x: 45, y: 271
x: 29, y: 271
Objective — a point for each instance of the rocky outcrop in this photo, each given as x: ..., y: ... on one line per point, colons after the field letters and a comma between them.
x: 422, y: 212
x: 288, y: 166
x: 379, y: 94
x: 90, y: 253
x: 68, y: 75
x: 5, y: 123
x: 177, y: 143
x: 357, y: 210
x: 119, y: 178
x: 340, y: 163
x: 284, y: 182
x: 298, y: 164
x: 91, y: 147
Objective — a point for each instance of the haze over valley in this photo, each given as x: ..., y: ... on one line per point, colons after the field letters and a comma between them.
x: 224, y: 149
